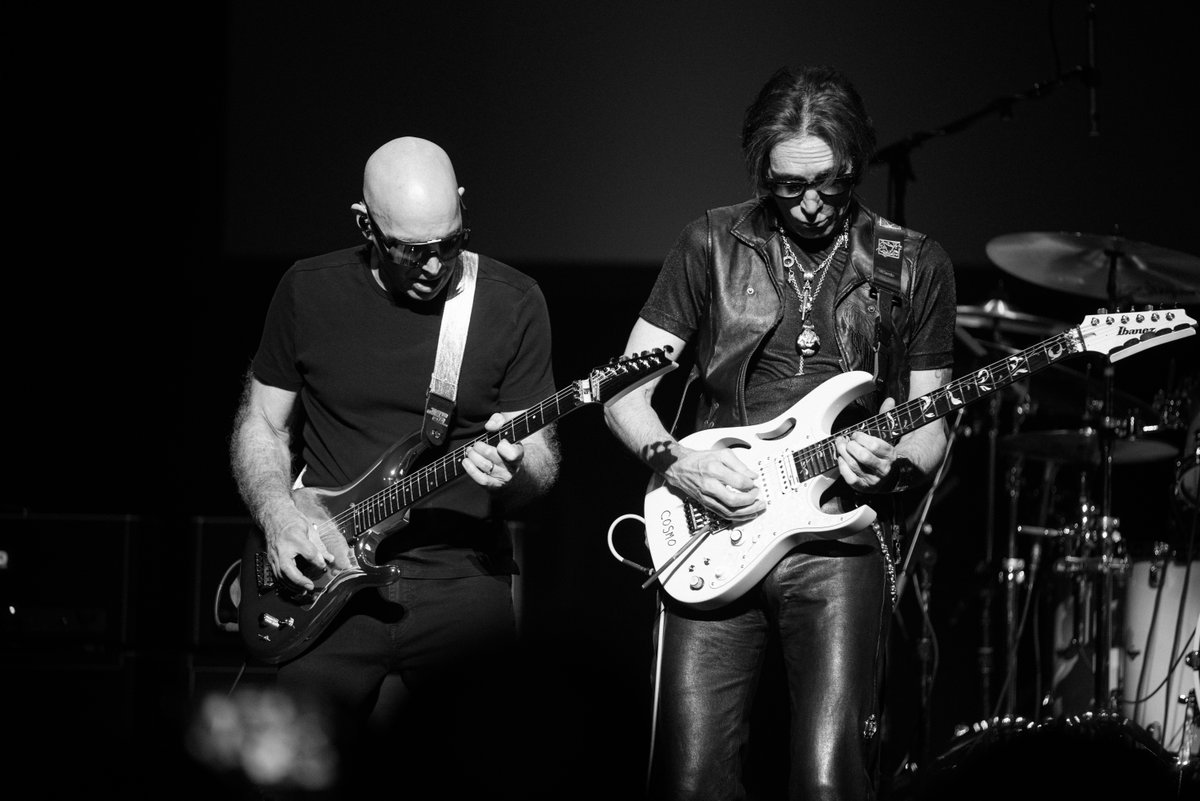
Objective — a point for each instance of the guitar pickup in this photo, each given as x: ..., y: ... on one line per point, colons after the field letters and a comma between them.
x: 264, y: 577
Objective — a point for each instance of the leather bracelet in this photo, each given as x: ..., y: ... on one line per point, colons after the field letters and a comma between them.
x: 907, y: 471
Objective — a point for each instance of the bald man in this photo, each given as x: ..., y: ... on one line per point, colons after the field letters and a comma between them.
x: 341, y: 376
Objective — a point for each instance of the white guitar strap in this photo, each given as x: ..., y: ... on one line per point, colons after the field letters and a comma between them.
x: 443, y: 387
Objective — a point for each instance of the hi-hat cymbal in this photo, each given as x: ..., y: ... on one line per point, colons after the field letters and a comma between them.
x: 1082, y: 447
x: 998, y: 316
x: 1104, y: 267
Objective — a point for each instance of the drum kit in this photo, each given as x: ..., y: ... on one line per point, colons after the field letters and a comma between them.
x: 1124, y: 611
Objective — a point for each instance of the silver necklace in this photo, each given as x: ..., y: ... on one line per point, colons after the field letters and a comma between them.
x: 808, y: 343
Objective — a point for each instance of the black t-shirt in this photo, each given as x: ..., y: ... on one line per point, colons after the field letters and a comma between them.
x: 362, y: 364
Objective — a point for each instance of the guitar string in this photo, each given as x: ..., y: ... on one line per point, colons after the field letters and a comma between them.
x: 446, y: 461
x: 824, y: 454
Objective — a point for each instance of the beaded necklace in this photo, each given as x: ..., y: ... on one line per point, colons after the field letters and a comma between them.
x: 808, y: 343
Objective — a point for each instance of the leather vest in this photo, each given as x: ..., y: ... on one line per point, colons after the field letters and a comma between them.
x: 745, y: 303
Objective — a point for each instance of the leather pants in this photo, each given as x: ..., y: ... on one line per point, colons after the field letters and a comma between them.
x: 828, y: 604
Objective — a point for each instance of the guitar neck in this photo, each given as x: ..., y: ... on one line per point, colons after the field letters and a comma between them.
x: 821, y: 457
x: 448, y: 467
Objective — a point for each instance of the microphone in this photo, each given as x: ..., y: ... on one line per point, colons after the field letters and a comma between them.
x: 1090, y: 76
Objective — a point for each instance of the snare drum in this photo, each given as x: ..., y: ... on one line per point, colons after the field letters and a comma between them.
x: 1158, y: 631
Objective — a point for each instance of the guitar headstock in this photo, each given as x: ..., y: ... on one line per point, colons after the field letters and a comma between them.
x: 624, y: 373
x: 1122, y: 334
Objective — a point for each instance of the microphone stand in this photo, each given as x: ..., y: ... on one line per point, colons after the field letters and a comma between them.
x: 897, y: 155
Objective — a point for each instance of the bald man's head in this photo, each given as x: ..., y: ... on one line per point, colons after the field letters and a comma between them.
x: 410, y: 187
x: 411, y: 196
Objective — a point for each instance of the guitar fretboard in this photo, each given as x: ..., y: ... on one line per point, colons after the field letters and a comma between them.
x: 408, y: 490
x: 821, y: 457
x: 601, y: 386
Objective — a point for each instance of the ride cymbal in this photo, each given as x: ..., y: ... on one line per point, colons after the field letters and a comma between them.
x: 1104, y: 267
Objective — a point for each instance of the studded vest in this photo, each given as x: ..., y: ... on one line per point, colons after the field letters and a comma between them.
x: 746, y: 295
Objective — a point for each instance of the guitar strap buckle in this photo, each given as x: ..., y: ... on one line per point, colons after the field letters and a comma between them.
x: 438, y: 411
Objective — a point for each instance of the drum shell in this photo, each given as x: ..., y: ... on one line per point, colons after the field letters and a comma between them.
x: 1070, y: 757
x: 1160, y: 606
x: 1187, y: 474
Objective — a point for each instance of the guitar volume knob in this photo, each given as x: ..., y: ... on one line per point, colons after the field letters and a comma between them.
x: 267, y: 619
x: 697, y: 583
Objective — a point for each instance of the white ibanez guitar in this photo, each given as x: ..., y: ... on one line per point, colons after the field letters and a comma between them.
x: 706, y: 561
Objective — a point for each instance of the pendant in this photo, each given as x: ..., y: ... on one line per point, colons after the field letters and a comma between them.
x: 808, y: 343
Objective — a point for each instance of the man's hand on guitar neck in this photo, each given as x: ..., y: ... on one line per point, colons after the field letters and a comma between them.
x: 494, y: 466
x: 868, y: 464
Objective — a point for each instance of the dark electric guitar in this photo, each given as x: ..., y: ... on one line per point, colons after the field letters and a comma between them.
x: 703, y: 560
x: 279, y: 619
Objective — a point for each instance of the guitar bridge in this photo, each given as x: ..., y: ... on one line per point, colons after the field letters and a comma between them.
x: 698, y: 517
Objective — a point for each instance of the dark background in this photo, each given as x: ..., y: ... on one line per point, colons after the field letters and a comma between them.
x: 167, y: 168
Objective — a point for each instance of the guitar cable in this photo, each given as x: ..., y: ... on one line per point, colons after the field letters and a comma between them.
x: 613, y: 548
x: 235, y: 596
x: 659, y: 628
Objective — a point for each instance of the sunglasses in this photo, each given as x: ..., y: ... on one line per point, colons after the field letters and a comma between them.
x: 830, y: 188
x: 414, y: 254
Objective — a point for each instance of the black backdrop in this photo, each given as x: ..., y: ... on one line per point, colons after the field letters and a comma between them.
x: 176, y: 167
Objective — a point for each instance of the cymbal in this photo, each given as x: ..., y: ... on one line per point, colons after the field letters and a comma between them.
x: 1082, y: 447
x: 998, y: 316
x: 1083, y: 264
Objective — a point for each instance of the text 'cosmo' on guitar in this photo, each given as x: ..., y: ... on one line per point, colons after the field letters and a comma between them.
x: 279, y: 620
x: 706, y: 561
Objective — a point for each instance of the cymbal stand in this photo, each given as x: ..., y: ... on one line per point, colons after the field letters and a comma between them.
x: 1108, y: 537
x: 1013, y: 576
x: 987, y: 593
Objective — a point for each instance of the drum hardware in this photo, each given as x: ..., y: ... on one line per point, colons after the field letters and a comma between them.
x: 1091, y: 565
x: 1189, y: 745
x: 1045, y: 533
x: 1090, y: 755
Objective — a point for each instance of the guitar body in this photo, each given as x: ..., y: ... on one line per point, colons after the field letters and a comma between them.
x: 714, y: 569
x: 279, y: 620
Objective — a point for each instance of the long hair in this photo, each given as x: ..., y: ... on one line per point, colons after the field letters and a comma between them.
x: 813, y: 101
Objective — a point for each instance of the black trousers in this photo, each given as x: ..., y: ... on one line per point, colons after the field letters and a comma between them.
x: 417, y: 680
x: 828, y: 604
